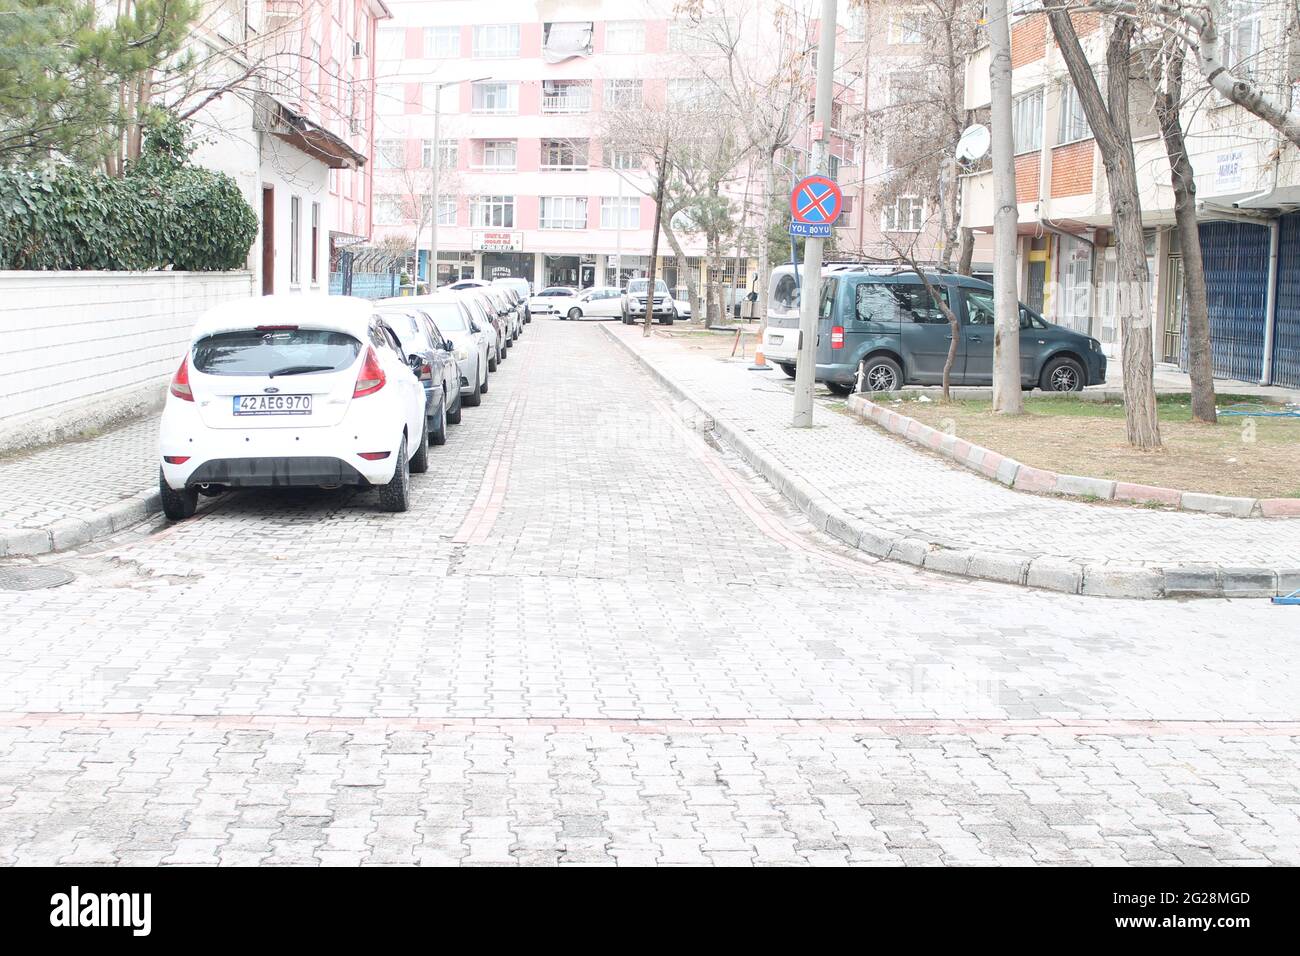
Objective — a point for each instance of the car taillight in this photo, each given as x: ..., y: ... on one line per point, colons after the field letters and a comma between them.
x: 373, y: 455
x: 176, y: 459
x: 181, y: 381
x: 426, y: 372
x: 371, y: 378
x: 837, y: 337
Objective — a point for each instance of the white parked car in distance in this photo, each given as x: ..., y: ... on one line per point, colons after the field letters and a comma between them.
x: 547, y: 301
x: 523, y: 287
x: 288, y: 391
x: 600, y: 302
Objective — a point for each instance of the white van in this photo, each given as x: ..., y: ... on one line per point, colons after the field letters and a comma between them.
x: 781, y: 336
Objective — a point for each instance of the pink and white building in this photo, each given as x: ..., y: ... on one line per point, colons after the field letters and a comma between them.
x: 298, y: 134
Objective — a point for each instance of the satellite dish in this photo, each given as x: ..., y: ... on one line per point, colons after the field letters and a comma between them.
x: 974, y: 143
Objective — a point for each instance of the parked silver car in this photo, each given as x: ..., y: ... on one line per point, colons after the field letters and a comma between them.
x: 473, y: 341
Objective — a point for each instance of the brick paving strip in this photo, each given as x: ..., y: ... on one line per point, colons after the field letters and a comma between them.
x: 73, y: 492
x: 1025, y: 478
x: 886, y: 499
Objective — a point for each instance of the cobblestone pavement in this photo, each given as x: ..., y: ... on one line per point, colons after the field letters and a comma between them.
x: 78, y: 478
x: 597, y: 639
x: 894, y: 486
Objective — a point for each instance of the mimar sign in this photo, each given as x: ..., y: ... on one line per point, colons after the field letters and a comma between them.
x: 499, y: 241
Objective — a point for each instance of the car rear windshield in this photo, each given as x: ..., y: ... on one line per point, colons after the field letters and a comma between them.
x: 448, y: 318
x: 254, y: 352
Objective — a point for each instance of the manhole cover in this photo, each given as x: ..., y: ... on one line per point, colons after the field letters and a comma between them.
x: 30, y: 579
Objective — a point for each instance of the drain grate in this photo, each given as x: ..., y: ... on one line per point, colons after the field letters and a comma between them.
x: 31, y: 579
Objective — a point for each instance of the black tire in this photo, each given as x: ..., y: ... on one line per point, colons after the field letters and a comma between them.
x: 838, y: 389
x: 420, y: 460
x: 177, y: 505
x: 492, y: 364
x: 438, y: 425
x: 453, y: 413
x: 574, y: 314
x: 475, y: 397
x: 880, y: 373
x: 668, y: 320
x: 787, y: 368
x: 396, y: 495
x: 482, y: 389
x: 1062, y: 374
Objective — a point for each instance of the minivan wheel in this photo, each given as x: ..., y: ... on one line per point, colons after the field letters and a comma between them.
x: 396, y: 495
x: 787, y: 368
x: 1062, y: 375
x: 177, y: 505
x: 837, y: 389
x: 880, y: 373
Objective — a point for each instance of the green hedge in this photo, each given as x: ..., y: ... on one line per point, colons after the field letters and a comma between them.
x: 163, y: 213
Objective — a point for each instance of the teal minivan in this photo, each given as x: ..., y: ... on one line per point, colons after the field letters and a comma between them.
x: 887, y: 326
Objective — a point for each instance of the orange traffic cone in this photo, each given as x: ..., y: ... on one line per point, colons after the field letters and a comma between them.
x: 760, y: 363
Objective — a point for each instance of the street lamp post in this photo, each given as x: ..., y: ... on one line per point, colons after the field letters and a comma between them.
x: 434, y: 169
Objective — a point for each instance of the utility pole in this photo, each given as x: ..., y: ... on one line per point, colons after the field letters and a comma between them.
x: 1007, y: 396
x: 805, y: 377
x: 433, y: 186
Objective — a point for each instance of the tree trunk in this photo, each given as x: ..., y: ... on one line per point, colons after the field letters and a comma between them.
x: 1110, y: 126
x: 1008, y: 398
x: 967, y: 253
x: 683, y: 269
x: 765, y: 223
x: 654, y: 242
x: 1199, y: 360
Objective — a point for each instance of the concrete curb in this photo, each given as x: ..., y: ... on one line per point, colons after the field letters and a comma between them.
x: 1025, y: 478
x: 72, y: 532
x: 1051, y: 572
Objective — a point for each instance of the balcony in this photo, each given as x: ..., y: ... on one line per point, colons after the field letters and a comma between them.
x: 566, y: 98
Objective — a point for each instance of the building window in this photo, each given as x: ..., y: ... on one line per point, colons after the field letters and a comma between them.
x: 492, y: 211
x: 496, y: 40
x: 625, y: 36
x: 446, y: 212
x: 564, y: 154
x: 448, y: 154
x: 832, y: 166
x: 566, y: 96
x: 441, y: 42
x: 295, y: 239
x: 495, y: 98
x: 623, y: 94
x: 905, y: 25
x: 906, y: 86
x: 620, y: 213
x: 687, y: 93
x: 315, y: 242
x: 1027, y: 122
x: 388, y: 210
x: 390, y: 154
x: 497, y: 154
x: 1074, y: 122
x: 563, y: 212
x: 563, y: 41
x: 689, y: 36
x: 391, y: 42
x: 906, y: 214
x: 617, y: 157
x: 1244, y: 35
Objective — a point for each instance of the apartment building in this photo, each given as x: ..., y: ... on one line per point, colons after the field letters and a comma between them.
x: 527, y: 184
x: 295, y: 128
x: 1248, y: 183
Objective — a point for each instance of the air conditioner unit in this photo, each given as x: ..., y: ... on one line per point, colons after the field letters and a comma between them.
x: 357, y: 48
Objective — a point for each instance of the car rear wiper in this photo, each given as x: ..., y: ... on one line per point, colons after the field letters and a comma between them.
x: 299, y: 369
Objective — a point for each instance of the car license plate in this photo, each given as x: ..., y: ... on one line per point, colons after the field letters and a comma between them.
x: 777, y: 339
x: 272, y: 405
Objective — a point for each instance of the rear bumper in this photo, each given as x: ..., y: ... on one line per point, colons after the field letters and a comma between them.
x: 276, y: 473
x: 780, y: 344
x: 840, y: 374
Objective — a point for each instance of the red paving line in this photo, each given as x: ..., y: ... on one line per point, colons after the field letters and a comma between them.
x: 873, y: 726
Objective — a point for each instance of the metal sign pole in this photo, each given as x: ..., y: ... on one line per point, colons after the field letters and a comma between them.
x: 805, y: 369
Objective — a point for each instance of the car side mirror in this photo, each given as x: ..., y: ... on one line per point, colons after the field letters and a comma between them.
x: 448, y: 347
x: 415, y: 362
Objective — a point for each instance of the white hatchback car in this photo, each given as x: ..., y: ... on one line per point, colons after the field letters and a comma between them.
x: 602, y: 302
x: 547, y: 301
x: 289, y: 391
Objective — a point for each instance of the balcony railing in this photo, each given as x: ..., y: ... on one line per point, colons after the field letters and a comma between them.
x: 575, y: 102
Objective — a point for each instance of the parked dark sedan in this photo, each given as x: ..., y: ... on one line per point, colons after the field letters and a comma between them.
x: 888, y: 327
x: 433, y: 359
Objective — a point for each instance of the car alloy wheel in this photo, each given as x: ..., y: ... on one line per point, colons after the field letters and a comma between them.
x: 880, y: 378
x: 1065, y: 379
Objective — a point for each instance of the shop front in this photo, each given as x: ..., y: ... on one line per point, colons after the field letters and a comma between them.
x: 508, y: 265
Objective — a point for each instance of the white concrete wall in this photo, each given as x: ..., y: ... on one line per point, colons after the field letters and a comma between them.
x: 80, y: 351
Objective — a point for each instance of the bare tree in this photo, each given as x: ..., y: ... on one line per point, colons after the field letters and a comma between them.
x: 1169, y: 106
x: 1008, y: 398
x: 1109, y: 119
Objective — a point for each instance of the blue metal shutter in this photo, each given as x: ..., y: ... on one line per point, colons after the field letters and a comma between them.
x: 1236, y: 286
x: 1286, y: 337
